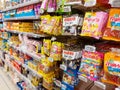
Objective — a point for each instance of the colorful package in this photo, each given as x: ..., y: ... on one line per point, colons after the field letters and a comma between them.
x: 113, y: 26
x: 51, y: 24
x: 56, y: 51
x: 70, y: 79
x: 46, y: 46
x: 91, y: 65
x: 71, y: 23
x: 94, y: 23
x: 52, y: 5
x: 112, y: 68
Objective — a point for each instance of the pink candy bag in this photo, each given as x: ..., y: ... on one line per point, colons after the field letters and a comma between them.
x: 94, y: 23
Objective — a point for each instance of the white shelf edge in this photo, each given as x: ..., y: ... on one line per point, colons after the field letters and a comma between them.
x: 74, y: 3
x: 23, y: 5
x: 22, y: 18
x: 24, y: 65
x: 26, y: 33
x: 28, y: 53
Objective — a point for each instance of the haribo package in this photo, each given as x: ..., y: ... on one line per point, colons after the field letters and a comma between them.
x: 113, y: 26
x: 112, y: 67
x: 94, y: 24
x: 91, y: 65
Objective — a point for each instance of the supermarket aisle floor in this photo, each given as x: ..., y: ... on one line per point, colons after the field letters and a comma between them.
x: 5, y: 82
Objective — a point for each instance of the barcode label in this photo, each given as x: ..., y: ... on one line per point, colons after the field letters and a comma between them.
x: 63, y: 67
x: 58, y: 83
x: 67, y: 8
x: 90, y: 48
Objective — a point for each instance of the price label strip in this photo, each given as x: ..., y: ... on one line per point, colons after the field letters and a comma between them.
x: 63, y: 67
x: 83, y: 78
x: 90, y: 48
x: 100, y: 85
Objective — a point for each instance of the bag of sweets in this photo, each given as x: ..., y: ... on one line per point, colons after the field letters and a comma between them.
x: 91, y: 65
x: 112, y: 67
x: 113, y: 26
x: 94, y: 23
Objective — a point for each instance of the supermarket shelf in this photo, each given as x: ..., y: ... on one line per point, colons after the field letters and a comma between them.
x: 23, y: 77
x: 24, y: 65
x: 20, y: 75
x: 23, y: 18
x: 23, y: 5
x: 27, y: 67
x: 26, y: 52
x: 27, y: 33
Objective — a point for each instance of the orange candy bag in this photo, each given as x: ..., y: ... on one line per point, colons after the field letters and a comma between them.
x: 112, y: 31
x: 112, y: 68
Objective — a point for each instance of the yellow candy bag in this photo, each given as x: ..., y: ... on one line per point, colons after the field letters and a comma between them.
x: 46, y: 46
x: 56, y: 51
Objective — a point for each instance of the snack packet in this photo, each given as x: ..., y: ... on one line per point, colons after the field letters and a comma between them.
x: 91, y: 65
x: 94, y: 23
x: 113, y: 26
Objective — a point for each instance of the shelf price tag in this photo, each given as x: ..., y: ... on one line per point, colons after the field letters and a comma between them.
x: 67, y: 8
x: 64, y: 87
x: 100, y: 84
x: 90, y: 48
x: 58, y: 83
x: 63, y: 67
x: 83, y: 78
x: 51, y: 59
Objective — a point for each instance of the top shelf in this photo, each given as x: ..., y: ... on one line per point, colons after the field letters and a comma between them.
x: 23, y: 5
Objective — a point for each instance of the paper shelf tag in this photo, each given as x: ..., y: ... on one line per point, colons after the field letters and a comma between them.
x: 90, y: 48
x: 100, y: 85
x: 51, y: 59
x: 58, y: 83
x: 83, y: 78
x: 67, y: 8
x: 63, y: 67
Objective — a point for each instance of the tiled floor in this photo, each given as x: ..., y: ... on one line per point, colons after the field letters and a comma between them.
x: 5, y: 82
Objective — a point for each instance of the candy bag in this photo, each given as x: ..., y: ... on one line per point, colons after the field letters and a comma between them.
x: 43, y: 6
x: 46, y: 46
x: 56, y: 51
x: 70, y: 24
x: 94, y: 23
x: 112, y: 68
x: 91, y: 65
x: 45, y: 19
x: 52, y: 6
x: 113, y: 26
